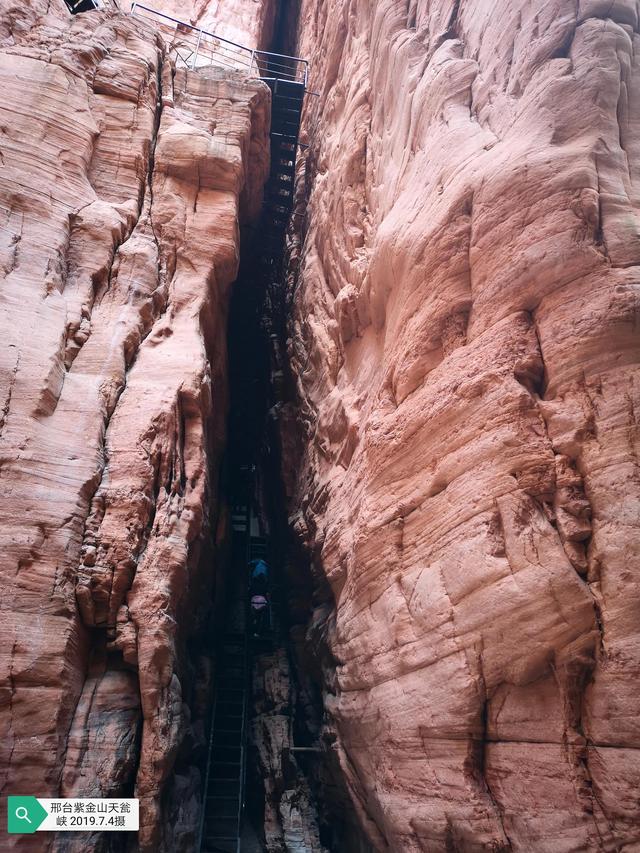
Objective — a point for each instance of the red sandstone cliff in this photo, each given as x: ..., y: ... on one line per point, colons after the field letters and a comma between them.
x: 465, y: 345
x: 122, y: 185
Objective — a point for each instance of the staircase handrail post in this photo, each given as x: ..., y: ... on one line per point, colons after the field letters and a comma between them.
x: 195, y: 55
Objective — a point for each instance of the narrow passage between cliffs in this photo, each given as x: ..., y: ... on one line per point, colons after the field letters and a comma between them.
x: 257, y: 795
x: 260, y: 744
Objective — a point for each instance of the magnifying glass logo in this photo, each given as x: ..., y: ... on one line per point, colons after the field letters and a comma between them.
x: 22, y: 814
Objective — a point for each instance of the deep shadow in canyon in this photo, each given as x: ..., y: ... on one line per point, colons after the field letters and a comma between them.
x: 293, y: 787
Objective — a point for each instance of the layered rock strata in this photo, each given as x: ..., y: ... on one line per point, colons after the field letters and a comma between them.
x: 122, y: 184
x: 465, y: 345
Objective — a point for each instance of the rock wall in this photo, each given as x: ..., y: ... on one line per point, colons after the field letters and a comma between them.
x: 122, y: 185
x: 290, y: 819
x: 464, y: 344
x: 246, y: 22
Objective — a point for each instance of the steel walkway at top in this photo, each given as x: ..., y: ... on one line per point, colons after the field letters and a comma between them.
x: 195, y: 47
x: 77, y: 6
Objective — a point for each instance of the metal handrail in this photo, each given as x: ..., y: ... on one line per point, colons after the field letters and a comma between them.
x: 247, y: 691
x: 155, y: 12
x: 207, y: 770
x: 293, y: 69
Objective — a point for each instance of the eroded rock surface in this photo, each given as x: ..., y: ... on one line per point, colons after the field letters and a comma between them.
x: 464, y: 343
x: 465, y: 347
x: 122, y: 185
x: 249, y: 23
x: 290, y: 818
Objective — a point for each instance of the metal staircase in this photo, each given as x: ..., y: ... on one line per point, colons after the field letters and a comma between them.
x: 222, y: 818
x: 287, y: 100
x: 223, y: 805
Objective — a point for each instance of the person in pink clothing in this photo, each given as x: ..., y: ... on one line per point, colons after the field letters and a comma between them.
x: 259, y: 613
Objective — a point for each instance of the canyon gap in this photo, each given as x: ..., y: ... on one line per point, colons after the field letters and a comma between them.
x: 459, y: 437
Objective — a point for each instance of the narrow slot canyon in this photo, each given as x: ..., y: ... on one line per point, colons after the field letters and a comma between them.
x: 280, y: 807
x: 294, y: 796
x: 319, y: 394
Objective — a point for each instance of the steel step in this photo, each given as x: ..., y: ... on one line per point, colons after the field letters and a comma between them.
x: 230, y: 754
x: 231, y: 694
x: 233, y: 683
x: 227, y: 738
x: 235, y: 789
x: 220, y: 845
x: 221, y: 807
x: 222, y: 827
x: 223, y: 768
x: 290, y: 87
x: 229, y: 723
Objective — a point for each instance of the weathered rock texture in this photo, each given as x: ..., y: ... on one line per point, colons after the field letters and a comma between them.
x: 290, y: 821
x: 465, y: 347
x: 122, y: 185
x: 246, y: 22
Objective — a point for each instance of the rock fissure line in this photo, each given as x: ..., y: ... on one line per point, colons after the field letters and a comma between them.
x: 482, y: 764
x: 12, y: 692
x: 131, y: 357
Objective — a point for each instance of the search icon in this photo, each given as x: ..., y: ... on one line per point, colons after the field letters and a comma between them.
x: 22, y: 814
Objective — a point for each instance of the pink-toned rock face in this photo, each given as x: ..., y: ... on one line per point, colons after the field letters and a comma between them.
x: 245, y: 22
x: 465, y: 346
x: 464, y: 341
x: 122, y: 187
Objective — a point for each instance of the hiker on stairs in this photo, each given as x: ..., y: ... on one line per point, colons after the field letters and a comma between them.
x: 259, y: 576
x: 259, y: 614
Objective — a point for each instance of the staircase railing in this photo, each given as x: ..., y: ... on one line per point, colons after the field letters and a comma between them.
x: 195, y: 47
x: 219, y: 828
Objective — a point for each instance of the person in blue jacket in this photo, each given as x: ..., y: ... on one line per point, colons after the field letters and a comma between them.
x: 259, y: 576
x: 258, y: 587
